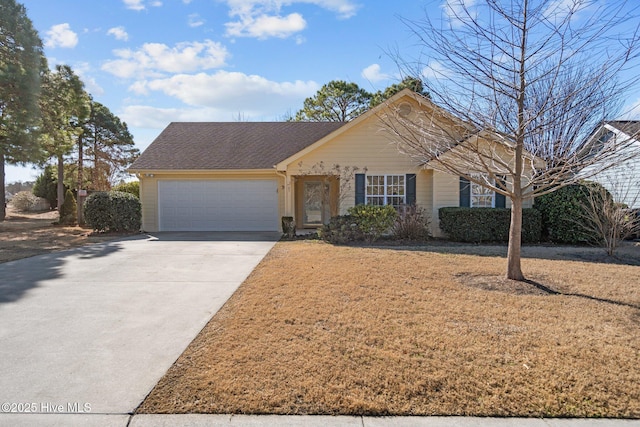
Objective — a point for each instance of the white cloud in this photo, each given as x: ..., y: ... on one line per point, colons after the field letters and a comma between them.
x: 456, y: 10
x: 140, y: 4
x: 156, y: 59
x: 119, y: 33
x: 372, y: 73
x: 434, y: 70
x: 195, y: 20
x: 263, y: 18
x: 559, y: 10
x: 134, y: 4
x: 344, y: 8
x: 61, y: 35
x: 233, y: 91
x: 83, y: 70
x: 219, y: 97
x: 264, y: 26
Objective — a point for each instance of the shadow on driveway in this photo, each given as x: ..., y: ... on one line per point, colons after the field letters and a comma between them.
x: 18, y: 277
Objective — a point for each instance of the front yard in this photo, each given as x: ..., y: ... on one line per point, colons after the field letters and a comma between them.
x: 434, y: 330
x: 26, y: 234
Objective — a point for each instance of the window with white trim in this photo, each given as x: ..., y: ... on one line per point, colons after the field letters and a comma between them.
x: 482, y: 197
x: 385, y: 190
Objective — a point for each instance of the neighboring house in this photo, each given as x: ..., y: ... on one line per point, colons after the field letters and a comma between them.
x: 245, y: 176
x: 623, y: 179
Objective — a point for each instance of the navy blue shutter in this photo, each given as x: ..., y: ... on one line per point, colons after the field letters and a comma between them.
x: 410, y: 182
x: 501, y: 201
x: 465, y: 193
x: 360, y: 189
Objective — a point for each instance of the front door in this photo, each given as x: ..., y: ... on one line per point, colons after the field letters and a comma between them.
x: 315, y: 200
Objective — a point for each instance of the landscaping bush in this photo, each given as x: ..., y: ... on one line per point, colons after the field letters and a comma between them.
x: 69, y: 210
x: 363, y: 222
x: 477, y: 225
x: 412, y: 224
x: 373, y: 221
x: 113, y: 211
x: 24, y: 201
x: 340, y: 230
x: 132, y: 187
x: 563, y: 213
x: 46, y: 186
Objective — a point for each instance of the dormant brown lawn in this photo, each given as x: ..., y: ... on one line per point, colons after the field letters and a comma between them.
x: 322, y: 329
x: 23, y: 235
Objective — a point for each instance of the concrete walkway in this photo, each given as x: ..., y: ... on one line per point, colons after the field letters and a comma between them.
x: 198, y: 420
x: 93, y: 329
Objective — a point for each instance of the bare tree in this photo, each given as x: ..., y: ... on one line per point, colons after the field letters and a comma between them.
x: 517, y: 87
x: 605, y: 217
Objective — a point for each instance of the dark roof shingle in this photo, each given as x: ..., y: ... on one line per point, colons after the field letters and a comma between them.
x: 229, y: 145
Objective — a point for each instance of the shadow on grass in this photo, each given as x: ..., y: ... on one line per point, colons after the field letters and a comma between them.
x: 551, y: 291
x: 627, y: 254
x: 19, y: 276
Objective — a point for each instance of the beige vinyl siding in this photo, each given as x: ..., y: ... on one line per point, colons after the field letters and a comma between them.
x: 362, y: 146
x: 149, y: 189
x: 446, y: 192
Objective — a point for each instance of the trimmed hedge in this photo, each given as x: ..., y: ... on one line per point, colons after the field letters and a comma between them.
x: 477, y: 225
x: 113, y: 211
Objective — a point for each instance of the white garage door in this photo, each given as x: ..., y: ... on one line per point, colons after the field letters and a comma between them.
x: 208, y: 205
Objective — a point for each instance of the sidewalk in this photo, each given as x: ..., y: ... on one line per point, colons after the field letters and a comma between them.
x: 202, y: 420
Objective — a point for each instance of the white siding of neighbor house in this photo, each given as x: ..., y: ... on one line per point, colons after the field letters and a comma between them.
x: 623, y: 180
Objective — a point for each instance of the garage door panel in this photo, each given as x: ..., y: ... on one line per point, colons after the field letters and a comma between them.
x: 218, y: 205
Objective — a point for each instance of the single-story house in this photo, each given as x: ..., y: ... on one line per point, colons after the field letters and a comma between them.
x: 245, y: 176
x: 623, y: 179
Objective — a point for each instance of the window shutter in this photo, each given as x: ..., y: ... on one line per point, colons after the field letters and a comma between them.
x: 501, y: 201
x: 360, y: 189
x: 465, y: 193
x: 410, y: 183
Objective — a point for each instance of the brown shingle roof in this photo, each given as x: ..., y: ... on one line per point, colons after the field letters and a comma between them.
x: 233, y: 145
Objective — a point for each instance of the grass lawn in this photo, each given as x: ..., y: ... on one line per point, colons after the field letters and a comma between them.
x: 434, y: 330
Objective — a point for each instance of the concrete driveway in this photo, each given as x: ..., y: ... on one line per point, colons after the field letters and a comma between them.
x: 93, y: 329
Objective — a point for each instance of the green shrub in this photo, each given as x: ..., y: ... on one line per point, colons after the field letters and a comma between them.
x: 373, y: 221
x: 563, y: 212
x: 487, y: 224
x: 340, y: 230
x: 132, y: 187
x: 412, y: 224
x: 69, y: 210
x: 97, y: 211
x: 113, y: 211
x: 46, y: 186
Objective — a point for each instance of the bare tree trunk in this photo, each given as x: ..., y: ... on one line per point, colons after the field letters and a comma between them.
x: 514, y: 270
x: 3, y: 200
x: 80, y: 201
x: 60, y: 183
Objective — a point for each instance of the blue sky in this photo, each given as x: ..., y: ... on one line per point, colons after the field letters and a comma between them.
x: 156, y: 61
